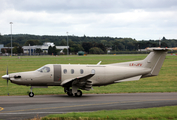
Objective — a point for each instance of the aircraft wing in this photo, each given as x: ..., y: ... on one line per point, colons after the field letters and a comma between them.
x: 82, y: 82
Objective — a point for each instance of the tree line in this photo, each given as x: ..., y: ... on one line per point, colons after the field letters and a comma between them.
x: 92, y: 45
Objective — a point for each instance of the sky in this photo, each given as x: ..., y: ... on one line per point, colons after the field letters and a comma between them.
x: 137, y: 19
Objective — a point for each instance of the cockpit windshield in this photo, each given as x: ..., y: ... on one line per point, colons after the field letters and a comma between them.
x: 44, y: 69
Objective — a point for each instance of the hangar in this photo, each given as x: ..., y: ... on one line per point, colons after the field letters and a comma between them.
x: 32, y: 49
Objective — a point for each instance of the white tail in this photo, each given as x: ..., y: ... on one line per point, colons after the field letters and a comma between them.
x: 154, y: 61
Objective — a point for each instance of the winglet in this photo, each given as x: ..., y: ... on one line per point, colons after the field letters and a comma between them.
x: 99, y: 63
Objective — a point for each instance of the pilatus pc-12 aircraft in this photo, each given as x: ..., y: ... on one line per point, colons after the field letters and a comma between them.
x: 75, y: 78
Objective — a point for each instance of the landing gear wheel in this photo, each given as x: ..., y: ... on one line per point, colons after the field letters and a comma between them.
x: 70, y: 92
x: 79, y: 93
x: 31, y: 94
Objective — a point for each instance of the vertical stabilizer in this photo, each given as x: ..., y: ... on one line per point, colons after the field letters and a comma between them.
x: 155, y: 60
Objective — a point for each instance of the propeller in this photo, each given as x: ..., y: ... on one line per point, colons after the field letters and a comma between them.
x: 7, y: 77
x: 7, y: 81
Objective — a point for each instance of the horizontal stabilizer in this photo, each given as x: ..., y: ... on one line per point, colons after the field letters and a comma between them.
x: 159, y: 49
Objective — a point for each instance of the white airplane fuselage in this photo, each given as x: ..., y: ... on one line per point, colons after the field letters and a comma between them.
x: 104, y: 74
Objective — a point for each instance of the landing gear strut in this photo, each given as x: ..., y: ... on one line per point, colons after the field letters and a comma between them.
x: 31, y: 94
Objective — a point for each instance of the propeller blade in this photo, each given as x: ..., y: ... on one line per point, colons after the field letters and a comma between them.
x: 7, y: 86
x: 7, y: 71
x: 7, y: 82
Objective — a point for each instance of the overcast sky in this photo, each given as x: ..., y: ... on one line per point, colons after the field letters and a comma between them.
x: 138, y: 19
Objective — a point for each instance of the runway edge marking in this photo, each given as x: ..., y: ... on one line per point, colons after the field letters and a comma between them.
x: 1, y: 108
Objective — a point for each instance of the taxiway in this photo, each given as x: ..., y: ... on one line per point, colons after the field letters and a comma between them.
x: 24, y: 107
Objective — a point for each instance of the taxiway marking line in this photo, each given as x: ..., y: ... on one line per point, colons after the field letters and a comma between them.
x: 1, y: 108
x: 84, y: 105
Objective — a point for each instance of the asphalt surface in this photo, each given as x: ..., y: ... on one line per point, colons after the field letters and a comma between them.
x: 24, y: 107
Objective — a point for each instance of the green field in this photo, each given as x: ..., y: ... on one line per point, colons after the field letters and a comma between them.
x: 159, y: 113
x: 166, y: 81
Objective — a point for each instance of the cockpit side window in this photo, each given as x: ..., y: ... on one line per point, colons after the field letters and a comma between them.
x: 44, y: 69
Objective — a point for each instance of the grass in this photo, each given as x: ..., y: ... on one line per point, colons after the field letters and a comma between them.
x: 165, y: 82
x: 157, y: 113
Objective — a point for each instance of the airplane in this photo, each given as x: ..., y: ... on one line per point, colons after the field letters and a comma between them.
x: 76, y: 77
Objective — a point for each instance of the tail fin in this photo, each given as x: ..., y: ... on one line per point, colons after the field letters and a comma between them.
x: 155, y: 60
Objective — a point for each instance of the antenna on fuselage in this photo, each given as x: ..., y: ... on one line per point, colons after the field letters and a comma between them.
x: 99, y: 63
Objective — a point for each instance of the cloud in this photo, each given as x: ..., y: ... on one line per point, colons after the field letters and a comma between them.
x: 82, y: 6
x: 139, y: 19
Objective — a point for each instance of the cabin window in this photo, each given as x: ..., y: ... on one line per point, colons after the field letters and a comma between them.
x: 65, y: 71
x: 93, y: 71
x: 44, y: 69
x: 81, y: 71
x: 72, y: 71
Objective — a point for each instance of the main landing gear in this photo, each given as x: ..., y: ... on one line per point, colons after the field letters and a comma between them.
x: 79, y: 93
x: 69, y: 92
x: 31, y: 94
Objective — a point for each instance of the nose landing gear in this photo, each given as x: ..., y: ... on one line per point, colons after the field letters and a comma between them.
x: 31, y: 94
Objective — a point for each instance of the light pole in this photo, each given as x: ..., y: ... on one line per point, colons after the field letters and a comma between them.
x: 11, y: 36
x: 67, y: 43
x: 159, y: 42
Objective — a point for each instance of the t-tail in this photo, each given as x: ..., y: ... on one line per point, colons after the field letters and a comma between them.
x: 154, y: 61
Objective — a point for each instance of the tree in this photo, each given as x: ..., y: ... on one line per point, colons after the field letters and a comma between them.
x: 32, y: 42
x: 63, y: 43
x: 131, y: 46
x: 20, y: 49
x: 163, y: 44
x: 101, y: 46
x: 96, y: 50
x: 77, y: 47
x: 71, y: 43
x: 13, y: 44
x: 164, y: 38
x: 65, y: 51
x: 52, y: 50
x: 3, y: 50
x: 87, y: 46
x: 15, y: 51
x: 38, y: 50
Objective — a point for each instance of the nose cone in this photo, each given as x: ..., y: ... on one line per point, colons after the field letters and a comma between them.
x: 5, y: 76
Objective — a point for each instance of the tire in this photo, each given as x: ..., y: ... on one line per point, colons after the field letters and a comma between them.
x: 69, y: 93
x: 31, y: 94
x: 79, y: 93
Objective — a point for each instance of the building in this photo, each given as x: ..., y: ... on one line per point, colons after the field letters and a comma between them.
x: 7, y: 50
x: 1, y: 46
x: 32, y: 49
